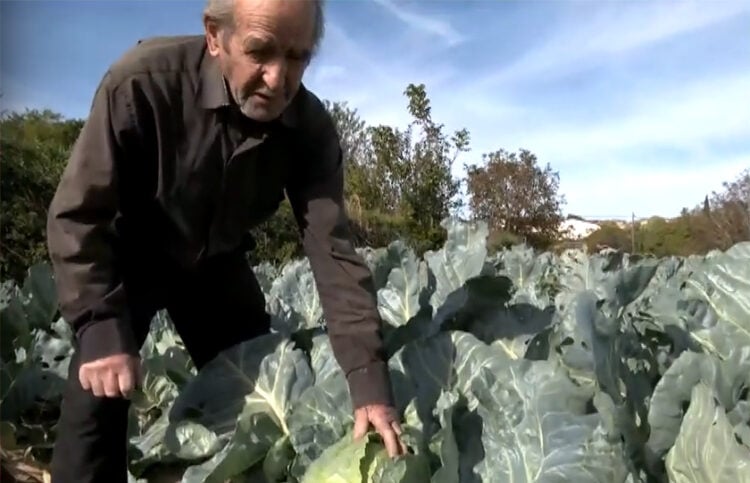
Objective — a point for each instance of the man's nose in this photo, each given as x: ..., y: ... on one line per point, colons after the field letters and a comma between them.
x: 274, y: 75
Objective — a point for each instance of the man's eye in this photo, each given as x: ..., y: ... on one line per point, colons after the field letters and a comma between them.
x: 260, y: 53
x: 298, y: 56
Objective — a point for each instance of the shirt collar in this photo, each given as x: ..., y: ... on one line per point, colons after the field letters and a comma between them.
x: 214, y: 94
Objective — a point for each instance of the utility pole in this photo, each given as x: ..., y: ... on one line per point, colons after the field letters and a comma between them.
x: 632, y: 232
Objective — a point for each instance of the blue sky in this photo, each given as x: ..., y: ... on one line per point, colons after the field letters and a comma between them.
x: 642, y: 107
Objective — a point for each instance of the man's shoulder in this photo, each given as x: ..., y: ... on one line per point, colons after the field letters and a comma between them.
x: 317, y: 134
x: 161, y: 56
x: 309, y: 112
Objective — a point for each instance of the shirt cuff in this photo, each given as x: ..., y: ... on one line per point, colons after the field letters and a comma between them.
x: 106, y: 338
x: 370, y: 385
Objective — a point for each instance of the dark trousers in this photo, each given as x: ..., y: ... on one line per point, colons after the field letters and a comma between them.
x: 214, y: 307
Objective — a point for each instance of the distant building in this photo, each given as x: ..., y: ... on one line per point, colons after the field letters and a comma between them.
x: 577, y: 229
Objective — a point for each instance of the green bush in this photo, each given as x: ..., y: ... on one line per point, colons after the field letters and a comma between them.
x: 609, y: 235
x: 35, y: 148
x: 33, y: 152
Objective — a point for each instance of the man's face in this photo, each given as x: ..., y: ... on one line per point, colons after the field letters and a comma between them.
x: 265, y: 56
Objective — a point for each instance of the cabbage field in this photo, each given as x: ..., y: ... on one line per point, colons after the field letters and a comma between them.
x: 514, y: 367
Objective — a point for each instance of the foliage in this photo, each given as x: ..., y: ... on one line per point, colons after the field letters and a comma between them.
x: 729, y: 211
x: 519, y: 366
x: 33, y: 151
x: 276, y: 240
x: 361, y: 179
x: 691, y: 233
x: 680, y: 236
x: 397, y: 185
x: 513, y: 194
x: 610, y: 235
x: 407, y: 173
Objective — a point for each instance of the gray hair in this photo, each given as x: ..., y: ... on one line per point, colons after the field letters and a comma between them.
x: 222, y: 12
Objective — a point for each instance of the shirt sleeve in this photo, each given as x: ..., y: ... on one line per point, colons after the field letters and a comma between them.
x: 343, y: 279
x: 80, y: 220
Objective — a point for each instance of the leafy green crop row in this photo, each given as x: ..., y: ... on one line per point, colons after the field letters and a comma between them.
x: 518, y: 367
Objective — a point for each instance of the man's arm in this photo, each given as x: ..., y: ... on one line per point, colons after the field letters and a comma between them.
x: 343, y: 280
x: 79, y: 230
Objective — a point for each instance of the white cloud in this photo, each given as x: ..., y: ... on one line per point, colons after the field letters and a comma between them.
x: 346, y: 53
x: 612, y: 168
x: 348, y: 71
x: 600, y: 174
x: 617, y: 190
x: 329, y: 72
x: 423, y: 23
x: 689, y: 118
x: 609, y: 31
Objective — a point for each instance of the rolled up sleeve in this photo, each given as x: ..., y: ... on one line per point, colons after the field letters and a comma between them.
x: 343, y: 279
x: 80, y: 223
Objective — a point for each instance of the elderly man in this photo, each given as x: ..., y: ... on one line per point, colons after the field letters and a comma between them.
x: 190, y: 142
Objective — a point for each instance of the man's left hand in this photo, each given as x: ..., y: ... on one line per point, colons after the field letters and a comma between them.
x: 385, y: 420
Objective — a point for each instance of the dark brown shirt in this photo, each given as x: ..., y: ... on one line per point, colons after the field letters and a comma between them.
x: 166, y: 160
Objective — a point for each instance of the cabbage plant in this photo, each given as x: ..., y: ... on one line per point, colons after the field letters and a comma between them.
x: 516, y: 366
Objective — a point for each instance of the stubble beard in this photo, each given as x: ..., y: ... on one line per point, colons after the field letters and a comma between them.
x: 252, y: 109
x: 246, y: 105
x: 243, y: 98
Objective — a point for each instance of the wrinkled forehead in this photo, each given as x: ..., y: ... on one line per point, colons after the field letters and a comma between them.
x: 289, y: 23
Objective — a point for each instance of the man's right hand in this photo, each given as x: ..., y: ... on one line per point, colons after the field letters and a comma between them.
x: 112, y: 376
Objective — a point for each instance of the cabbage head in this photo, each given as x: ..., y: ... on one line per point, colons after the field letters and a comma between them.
x: 365, y: 461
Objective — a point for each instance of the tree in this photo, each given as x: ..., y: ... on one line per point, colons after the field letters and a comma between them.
x: 414, y: 170
x: 355, y: 145
x: 33, y: 152
x: 514, y: 195
x: 398, y: 184
x: 609, y: 235
x: 729, y: 211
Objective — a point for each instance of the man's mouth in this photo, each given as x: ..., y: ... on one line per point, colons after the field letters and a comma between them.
x: 263, y: 96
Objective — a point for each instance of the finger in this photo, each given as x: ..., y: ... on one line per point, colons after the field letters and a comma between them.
x: 389, y: 436
x: 96, y: 385
x: 83, y: 378
x: 361, y: 423
x: 125, y: 383
x: 402, y: 446
x: 111, y: 386
x: 391, y: 441
x: 397, y: 429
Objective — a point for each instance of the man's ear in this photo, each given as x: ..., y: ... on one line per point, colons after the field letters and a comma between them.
x: 213, y: 36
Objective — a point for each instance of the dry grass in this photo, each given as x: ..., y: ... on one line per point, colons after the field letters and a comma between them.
x: 19, y: 468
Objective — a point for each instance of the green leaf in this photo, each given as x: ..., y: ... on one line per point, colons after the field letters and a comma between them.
x: 706, y: 449
x: 443, y: 443
x: 532, y: 275
x: 293, y: 299
x: 341, y: 462
x: 723, y: 283
x: 40, y: 296
x: 278, y: 460
x: 535, y: 428
x: 461, y: 258
x: 244, y: 396
x: 365, y: 461
x: 321, y: 415
x: 400, y: 300
x: 728, y: 380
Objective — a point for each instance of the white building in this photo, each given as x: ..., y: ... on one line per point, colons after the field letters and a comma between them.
x: 574, y: 229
